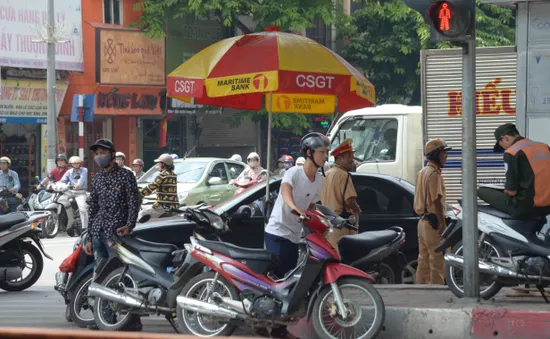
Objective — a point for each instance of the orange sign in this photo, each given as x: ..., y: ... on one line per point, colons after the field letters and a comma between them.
x: 301, y: 103
x: 490, y: 100
x: 126, y: 57
x: 242, y: 84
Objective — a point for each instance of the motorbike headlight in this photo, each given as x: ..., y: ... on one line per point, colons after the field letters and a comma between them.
x: 325, y: 222
x: 182, y: 196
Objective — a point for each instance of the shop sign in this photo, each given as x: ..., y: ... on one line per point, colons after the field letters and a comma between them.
x: 301, y: 103
x: 114, y: 102
x: 23, y: 22
x: 26, y: 101
x: 128, y: 57
x: 491, y: 100
x: 176, y: 106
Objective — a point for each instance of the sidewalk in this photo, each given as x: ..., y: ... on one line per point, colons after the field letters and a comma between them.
x: 422, y: 311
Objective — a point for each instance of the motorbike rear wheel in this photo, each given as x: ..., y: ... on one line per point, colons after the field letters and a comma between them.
x: 37, y: 265
x: 194, y: 323
x: 328, y: 323
x: 453, y: 275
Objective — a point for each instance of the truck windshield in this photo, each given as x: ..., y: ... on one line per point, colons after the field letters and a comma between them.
x: 373, y: 139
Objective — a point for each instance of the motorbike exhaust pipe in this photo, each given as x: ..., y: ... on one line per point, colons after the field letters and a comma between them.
x: 490, y: 268
x: 198, y: 306
x: 97, y: 290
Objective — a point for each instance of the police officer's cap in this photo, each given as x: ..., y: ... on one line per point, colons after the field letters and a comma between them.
x: 435, y: 144
x: 103, y: 143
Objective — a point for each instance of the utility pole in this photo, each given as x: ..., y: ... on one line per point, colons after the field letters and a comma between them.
x: 51, y: 123
x: 470, y: 273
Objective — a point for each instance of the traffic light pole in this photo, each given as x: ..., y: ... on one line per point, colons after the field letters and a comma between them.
x: 469, y: 174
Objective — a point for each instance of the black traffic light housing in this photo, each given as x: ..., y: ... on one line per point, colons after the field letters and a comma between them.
x: 449, y: 20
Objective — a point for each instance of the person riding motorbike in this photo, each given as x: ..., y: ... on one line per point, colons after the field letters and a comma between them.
x: 77, y: 176
x: 57, y: 173
x: 253, y: 169
x: 526, y: 192
x: 300, y: 190
x: 137, y: 165
x: 166, y: 188
x: 10, y: 180
x: 284, y: 163
x: 120, y: 159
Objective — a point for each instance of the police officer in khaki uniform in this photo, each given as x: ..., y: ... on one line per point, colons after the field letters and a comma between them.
x: 338, y: 192
x: 429, y: 203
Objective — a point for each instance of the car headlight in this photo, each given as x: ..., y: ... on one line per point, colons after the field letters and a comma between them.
x: 182, y: 196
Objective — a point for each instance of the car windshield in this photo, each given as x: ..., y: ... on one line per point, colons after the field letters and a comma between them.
x: 188, y: 172
x: 373, y: 139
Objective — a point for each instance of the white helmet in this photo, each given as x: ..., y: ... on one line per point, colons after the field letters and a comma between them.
x: 120, y: 155
x: 75, y: 160
x: 253, y: 155
x: 236, y: 157
x: 300, y: 161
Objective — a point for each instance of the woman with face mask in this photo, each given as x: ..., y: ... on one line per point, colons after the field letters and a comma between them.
x: 253, y: 168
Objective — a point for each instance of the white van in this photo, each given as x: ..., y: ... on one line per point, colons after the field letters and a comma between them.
x: 387, y: 139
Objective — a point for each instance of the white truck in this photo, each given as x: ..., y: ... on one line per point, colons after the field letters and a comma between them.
x: 389, y: 139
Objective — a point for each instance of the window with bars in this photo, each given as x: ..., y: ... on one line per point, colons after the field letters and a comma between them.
x: 112, y: 12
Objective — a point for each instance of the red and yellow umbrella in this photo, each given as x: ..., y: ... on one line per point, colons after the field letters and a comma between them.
x: 302, y: 76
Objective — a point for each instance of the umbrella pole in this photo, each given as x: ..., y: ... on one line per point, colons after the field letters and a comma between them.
x: 269, y: 123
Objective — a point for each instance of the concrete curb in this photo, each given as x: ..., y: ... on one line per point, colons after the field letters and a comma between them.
x: 454, y: 323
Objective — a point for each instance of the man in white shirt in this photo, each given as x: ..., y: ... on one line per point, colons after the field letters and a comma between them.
x: 300, y: 190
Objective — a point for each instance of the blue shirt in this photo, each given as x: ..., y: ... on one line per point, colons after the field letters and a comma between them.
x: 10, y: 180
x: 70, y: 177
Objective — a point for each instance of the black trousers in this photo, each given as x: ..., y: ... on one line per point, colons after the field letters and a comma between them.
x: 510, y: 205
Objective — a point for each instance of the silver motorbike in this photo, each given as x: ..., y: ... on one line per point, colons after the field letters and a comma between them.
x: 66, y: 215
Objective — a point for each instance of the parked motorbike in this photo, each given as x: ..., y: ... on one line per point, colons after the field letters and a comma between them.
x: 367, y: 251
x: 15, y: 229
x: 240, y: 290
x: 39, y: 200
x: 510, y: 252
x: 73, y: 282
x: 4, y: 195
x: 140, y: 287
x: 65, y: 209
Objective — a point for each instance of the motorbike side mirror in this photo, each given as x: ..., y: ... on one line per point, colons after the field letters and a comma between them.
x: 144, y: 218
x: 243, y: 213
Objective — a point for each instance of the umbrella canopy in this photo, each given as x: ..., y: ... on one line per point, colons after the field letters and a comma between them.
x: 301, y: 75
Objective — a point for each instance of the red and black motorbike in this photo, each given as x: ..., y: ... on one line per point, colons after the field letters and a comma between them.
x: 240, y: 291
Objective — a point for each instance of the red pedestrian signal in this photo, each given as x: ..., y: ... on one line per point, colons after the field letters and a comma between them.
x: 444, y: 17
x: 448, y: 20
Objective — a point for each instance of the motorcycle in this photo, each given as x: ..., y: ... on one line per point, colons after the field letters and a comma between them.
x: 366, y: 251
x: 140, y: 287
x: 39, y: 201
x: 65, y: 209
x: 511, y: 252
x: 15, y: 228
x: 246, y: 182
x: 240, y: 290
x: 72, y: 283
x: 4, y: 195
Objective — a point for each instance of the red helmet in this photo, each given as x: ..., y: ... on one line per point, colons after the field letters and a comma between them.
x: 286, y: 158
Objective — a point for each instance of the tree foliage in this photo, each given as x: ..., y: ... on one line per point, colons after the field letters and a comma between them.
x: 387, y: 37
x: 287, y: 14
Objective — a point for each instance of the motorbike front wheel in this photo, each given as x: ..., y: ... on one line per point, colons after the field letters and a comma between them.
x: 52, y: 225
x: 360, y: 298
x: 79, y: 302
x: 202, y: 325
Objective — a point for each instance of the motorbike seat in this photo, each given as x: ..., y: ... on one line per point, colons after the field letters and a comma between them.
x: 8, y: 220
x: 236, y: 252
x: 528, y: 226
x: 366, y: 241
x: 148, y: 246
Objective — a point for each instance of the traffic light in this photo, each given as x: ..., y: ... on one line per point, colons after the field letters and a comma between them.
x: 449, y: 20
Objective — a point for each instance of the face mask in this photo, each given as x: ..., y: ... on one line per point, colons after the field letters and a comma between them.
x: 252, y: 163
x: 287, y: 165
x: 103, y: 160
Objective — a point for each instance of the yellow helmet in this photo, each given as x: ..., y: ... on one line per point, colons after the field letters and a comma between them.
x: 435, y: 144
x: 5, y: 160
